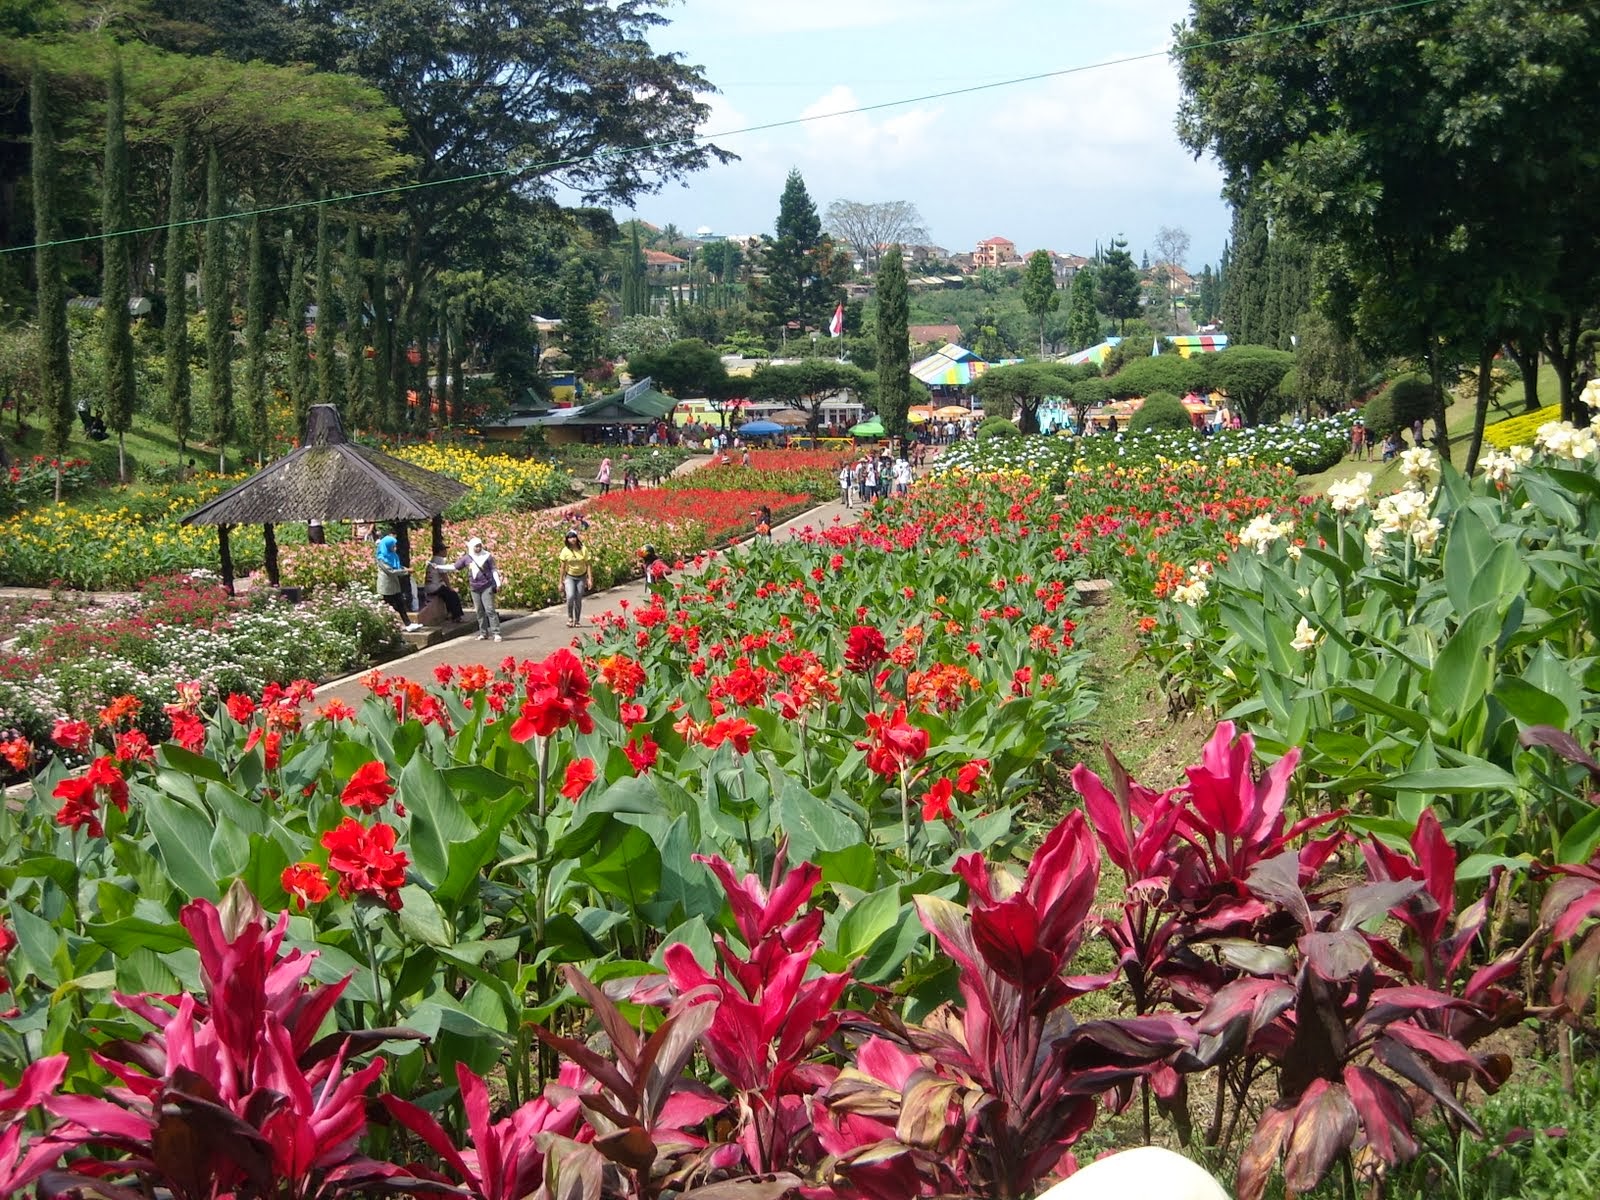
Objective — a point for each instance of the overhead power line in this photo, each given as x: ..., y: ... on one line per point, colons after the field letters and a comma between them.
x: 546, y: 166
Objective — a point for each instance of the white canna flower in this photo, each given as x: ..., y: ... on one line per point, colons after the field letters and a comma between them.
x: 1419, y: 464
x: 1260, y: 534
x: 1501, y: 467
x: 1295, y: 552
x: 1191, y: 593
x: 1304, y: 636
x: 1375, y: 540
x: 1348, y: 495
x: 1425, y: 532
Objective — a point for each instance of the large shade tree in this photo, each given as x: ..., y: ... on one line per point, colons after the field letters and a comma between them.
x: 807, y: 385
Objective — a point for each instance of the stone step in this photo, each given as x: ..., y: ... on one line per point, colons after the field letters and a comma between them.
x: 432, y: 635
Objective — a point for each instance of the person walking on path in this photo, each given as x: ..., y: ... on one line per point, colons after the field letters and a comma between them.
x: 483, y: 576
x: 577, y: 576
x: 603, y: 476
x: 394, y: 580
x: 846, y: 481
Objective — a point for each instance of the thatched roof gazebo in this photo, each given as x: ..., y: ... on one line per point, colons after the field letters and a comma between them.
x: 330, y: 479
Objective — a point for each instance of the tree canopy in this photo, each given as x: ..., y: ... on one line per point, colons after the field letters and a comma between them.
x: 806, y: 385
x: 870, y: 229
x: 1250, y: 375
x: 1117, y: 283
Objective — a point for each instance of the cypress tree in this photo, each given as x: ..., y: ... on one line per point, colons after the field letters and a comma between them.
x: 1244, y: 302
x: 894, y: 344
x: 327, y: 367
x: 55, y: 365
x: 177, y: 296
x: 424, y: 417
x: 1083, y: 318
x: 355, y: 340
x: 121, y: 390
x: 635, y: 292
x: 299, y: 365
x: 382, y: 338
x: 255, y: 340
x: 219, y: 314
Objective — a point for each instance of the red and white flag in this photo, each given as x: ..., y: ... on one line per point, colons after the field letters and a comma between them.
x: 836, y: 326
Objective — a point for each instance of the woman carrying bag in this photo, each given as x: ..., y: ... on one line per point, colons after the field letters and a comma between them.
x: 484, y: 578
x: 394, y: 579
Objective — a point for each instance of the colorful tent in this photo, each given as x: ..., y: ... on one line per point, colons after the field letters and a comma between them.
x: 1190, y: 344
x: 1094, y: 354
x: 867, y: 429
x: 949, y: 366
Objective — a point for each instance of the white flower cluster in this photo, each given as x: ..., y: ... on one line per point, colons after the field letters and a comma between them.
x: 1263, y: 531
x: 1406, y: 512
x: 1348, y: 495
x: 1500, y: 466
x: 1194, y: 589
x: 1305, y: 636
x: 1562, y: 439
x: 1420, y: 466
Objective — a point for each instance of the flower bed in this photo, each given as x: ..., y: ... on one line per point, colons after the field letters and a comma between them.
x: 766, y: 837
x: 1313, y: 447
x: 34, y: 481
x: 180, y: 631
x: 499, y: 482
x: 1520, y: 431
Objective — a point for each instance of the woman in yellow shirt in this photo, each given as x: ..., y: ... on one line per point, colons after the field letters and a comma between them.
x: 577, y: 576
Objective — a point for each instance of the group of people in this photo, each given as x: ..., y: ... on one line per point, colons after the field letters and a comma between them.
x: 1362, y: 439
x: 631, y: 472
x: 874, y: 478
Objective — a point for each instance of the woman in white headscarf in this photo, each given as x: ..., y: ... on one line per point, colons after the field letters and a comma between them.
x: 484, y: 579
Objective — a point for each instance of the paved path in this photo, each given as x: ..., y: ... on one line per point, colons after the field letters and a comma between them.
x: 538, y: 634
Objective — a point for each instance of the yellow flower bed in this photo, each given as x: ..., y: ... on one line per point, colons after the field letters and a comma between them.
x: 498, y: 481
x: 1519, y: 431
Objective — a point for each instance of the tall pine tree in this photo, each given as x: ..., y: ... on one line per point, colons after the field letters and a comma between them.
x: 219, y: 314
x: 300, y: 385
x: 447, y: 415
x: 382, y: 337
x: 1083, y: 317
x: 794, y: 289
x: 176, y: 330
x: 635, y: 289
x: 327, y: 364
x: 55, y: 365
x: 458, y: 365
x: 1244, y: 301
x: 1118, y: 284
x: 255, y: 339
x: 355, y: 338
x: 894, y: 344
x: 121, y: 390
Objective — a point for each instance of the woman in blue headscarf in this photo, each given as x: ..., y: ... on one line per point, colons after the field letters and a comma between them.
x: 394, y: 581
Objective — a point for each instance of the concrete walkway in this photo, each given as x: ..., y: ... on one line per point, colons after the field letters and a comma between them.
x: 538, y: 634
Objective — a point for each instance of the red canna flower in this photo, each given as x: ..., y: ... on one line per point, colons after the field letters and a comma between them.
x: 558, y: 696
x: 108, y: 783
x: 632, y: 714
x: 271, y: 744
x: 133, y: 747
x: 240, y: 707
x: 17, y: 753
x: 366, y: 860
x: 369, y: 788
x: 970, y: 773
x: 864, y: 648
x: 188, y: 730
x: 121, y: 709
x: 336, y: 710
x: 894, y: 742
x: 444, y: 673
x: 622, y: 674
x: 78, y: 809
x: 936, y: 803
x: 305, y: 882
x: 730, y: 729
x: 580, y: 774
x: 641, y: 752
x: 72, y: 735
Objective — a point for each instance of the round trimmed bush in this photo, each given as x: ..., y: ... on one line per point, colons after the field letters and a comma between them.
x: 1161, y: 410
x: 993, y: 427
x: 1405, y: 401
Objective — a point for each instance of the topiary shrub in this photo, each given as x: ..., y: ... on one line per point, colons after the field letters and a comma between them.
x: 993, y: 427
x: 1161, y: 410
x: 1405, y: 401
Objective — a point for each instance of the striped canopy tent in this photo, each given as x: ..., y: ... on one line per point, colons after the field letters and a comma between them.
x: 950, y: 366
x: 1094, y: 354
x: 1190, y: 344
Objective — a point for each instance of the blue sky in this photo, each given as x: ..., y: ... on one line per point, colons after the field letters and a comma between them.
x: 1057, y: 163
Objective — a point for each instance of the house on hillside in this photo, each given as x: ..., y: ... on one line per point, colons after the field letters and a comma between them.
x: 1066, y: 266
x: 995, y: 252
x: 925, y: 335
x: 658, y: 262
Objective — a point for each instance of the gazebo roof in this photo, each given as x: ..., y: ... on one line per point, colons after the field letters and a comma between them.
x: 330, y: 479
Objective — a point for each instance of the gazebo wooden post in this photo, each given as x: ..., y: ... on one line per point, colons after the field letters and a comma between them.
x: 271, y: 539
x: 438, y: 536
x: 227, y: 559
